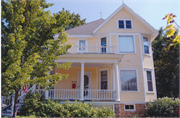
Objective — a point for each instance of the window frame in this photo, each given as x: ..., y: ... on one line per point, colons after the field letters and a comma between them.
x: 86, y: 44
x: 125, y: 23
x: 134, y: 44
x: 107, y: 69
x: 147, y: 80
x: 130, y: 109
x: 148, y: 45
x: 137, y: 77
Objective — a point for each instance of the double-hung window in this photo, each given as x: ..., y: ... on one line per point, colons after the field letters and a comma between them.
x: 128, y: 80
x: 146, y: 45
x: 82, y: 44
x: 124, y: 24
x: 126, y: 44
x: 149, y: 80
x: 104, y: 79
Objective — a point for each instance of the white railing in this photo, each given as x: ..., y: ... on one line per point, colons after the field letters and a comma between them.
x: 68, y: 94
x: 93, y: 49
x: 98, y: 94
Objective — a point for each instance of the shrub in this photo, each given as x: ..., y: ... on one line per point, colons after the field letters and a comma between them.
x: 162, y: 107
x: 49, y: 108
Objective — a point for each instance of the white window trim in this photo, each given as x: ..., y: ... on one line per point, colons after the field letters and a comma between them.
x: 137, y: 76
x: 134, y: 41
x: 106, y: 43
x: 125, y: 23
x: 86, y: 44
x: 149, y: 46
x: 146, y: 69
x: 130, y: 109
x: 107, y: 77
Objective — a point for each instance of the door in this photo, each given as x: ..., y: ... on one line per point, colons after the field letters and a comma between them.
x: 87, y: 84
x: 103, y: 45
x: 82, y: 45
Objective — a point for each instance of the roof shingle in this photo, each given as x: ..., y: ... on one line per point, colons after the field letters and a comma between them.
x: 86, y: 29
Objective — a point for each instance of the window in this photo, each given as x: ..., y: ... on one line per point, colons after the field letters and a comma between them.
x: 82, y: 44
x: 121, y: 24
x: 128, y: 80
x: 104, y: 79
x: 128, y: 24
x: 124, y: 24
x: 103, y: 45
x: 149, y: 81
x: 126, y: 44
x: 146, y: 45
x: 129, y: 107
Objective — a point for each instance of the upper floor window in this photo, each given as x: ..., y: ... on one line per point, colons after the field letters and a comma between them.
x: 146, y: 45
x: 125, y: 24
x: 126, y: 44
x: 82, y: 44
x: 128, y: 80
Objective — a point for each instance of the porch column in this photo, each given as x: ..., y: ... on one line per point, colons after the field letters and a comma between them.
x: 82, y: 83
x: 117, y: 82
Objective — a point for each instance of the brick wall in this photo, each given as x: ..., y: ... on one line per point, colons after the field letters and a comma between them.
x: 120, y: 112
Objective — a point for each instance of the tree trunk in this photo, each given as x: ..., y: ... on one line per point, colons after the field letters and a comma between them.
x: 15, y: 104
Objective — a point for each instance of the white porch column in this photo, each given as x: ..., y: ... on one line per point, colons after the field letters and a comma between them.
x: 82, y: 83
x: 117, y: 82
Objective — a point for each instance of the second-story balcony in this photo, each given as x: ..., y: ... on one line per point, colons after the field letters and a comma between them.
x: 92, y: 50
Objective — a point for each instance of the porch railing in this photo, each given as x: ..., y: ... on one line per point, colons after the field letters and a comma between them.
x: 92, y: 49
x: 68, y: 94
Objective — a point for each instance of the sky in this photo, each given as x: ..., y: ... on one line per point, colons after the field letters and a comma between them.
x: 151, y: 10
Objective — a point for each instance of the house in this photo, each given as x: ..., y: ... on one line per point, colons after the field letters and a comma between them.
x: 112, y: 64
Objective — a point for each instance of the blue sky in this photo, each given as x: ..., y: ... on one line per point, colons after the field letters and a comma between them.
x: 151, y: 10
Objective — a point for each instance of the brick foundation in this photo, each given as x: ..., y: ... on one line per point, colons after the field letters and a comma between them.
x: 120, y: 112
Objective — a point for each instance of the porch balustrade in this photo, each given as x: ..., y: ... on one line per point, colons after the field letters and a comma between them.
x: 92, y: 49
x: 74, y: 94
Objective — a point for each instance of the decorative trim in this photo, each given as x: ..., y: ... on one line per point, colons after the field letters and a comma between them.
x: 88, y: 60
x: 142, y: 63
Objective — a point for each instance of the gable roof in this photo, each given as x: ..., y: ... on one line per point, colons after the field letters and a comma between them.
x: 135, y: 15
x: 86, y: 29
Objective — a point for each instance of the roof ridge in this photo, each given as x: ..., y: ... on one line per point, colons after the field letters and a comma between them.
x: 85, y: 24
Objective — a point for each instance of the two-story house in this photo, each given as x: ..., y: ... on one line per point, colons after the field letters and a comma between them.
x: 112, y: 63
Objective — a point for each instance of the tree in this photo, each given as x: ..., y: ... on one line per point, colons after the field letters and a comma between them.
x: 170, y: 28
x: 166, y: 62
x: 75, y: 19
x: 28, y: 48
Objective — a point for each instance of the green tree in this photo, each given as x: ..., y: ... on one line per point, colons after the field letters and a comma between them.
x: 166, y: 62
x: 74, y: 19
x: 28, y: 48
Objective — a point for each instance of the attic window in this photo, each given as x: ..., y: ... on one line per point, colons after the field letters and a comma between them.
x: 124, y: 24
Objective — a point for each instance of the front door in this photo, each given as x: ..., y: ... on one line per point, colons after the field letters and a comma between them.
x: 87, y: 77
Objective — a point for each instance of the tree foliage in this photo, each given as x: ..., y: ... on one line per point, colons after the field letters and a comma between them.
x: 170, y: 28
x: 28, y: 48
x: 166, y: 63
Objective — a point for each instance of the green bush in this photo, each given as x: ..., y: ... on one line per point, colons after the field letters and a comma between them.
x: 34, y: 105
x: 162, y: 107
